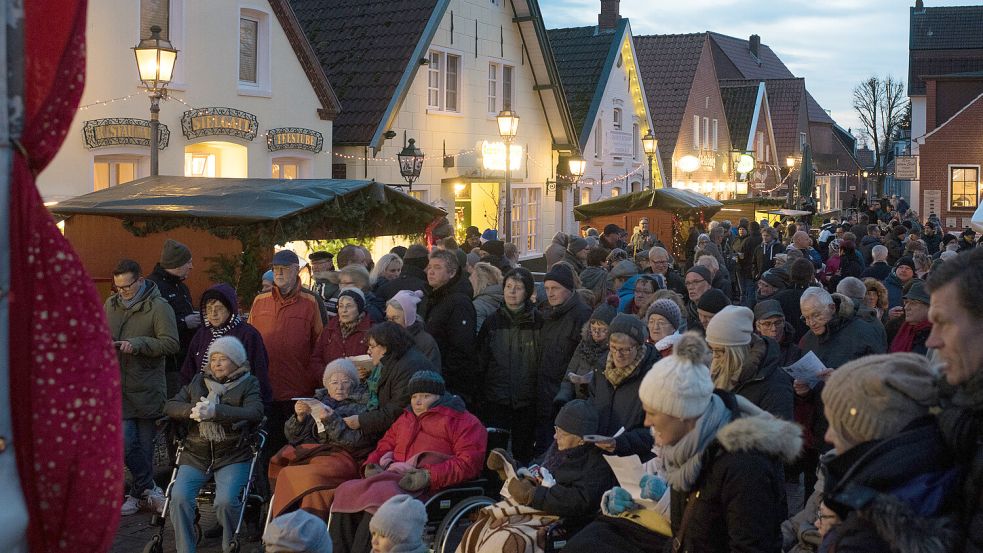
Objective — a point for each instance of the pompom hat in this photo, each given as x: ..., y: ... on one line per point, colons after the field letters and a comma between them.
x: 679, y: 385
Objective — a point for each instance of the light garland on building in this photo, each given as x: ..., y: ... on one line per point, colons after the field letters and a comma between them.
x: 110, y: 101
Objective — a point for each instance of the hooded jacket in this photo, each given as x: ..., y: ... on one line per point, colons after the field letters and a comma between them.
x: 446, y: 427
x: 148, y: 324
x: 509, y: 353
x: 891, y: 493
x: 450, y: 318
x: 588, y: 359
x: 241, y: 403
x: 763, y: 382
x: 486, y: 303
x: 740, y: 493
x: 961, y: 422
x: 619, y: 407
x: 556, y: 249
x: 259, y: 361
x: 411, y: 277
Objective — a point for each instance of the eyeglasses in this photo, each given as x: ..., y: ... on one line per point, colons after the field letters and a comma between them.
x: 623, y: 351
x: 821, y: 516
x: 127, y: 287
x: 661, y: 325
x: 814, y: 317
x: 340, y: 382
x: 659, y: 261
x: 642, y: 291
x: 777, y: 323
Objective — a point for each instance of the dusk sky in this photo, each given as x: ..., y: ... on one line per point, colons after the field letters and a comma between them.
x: 833, y: 44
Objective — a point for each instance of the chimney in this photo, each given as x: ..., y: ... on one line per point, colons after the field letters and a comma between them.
x: 609, y: 16
x: 754, y: 44
x: 919, y: 4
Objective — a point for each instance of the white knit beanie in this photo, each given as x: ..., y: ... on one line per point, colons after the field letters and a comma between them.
x: 679, y: 385
x: 732, y: 326
x: 342, y: 365
x: 231, y: 347
x: 401, y: 519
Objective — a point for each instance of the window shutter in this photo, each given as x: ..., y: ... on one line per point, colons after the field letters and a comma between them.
x: 248, y: 39
x: 696, y: 132
x: 155, y: 12
x: 453, y: 64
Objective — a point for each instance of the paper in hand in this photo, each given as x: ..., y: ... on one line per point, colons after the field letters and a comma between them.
x: 807, y: 369
x: 629, y: 471
x: 580, y: 378
x: 595, y: 438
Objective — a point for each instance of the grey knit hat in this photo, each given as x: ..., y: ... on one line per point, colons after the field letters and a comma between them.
x: 629, y: 325
x: 624, y: 269
x: 604, y: 313
x: 174, y: 254
x: 852, y: 287
x: 231, y: 347
x: 341, y: 365
x: 668, y: 309
x: 578, y: 417
x: 401, y: 519
x: 576, y: 244
x: 297, y: 532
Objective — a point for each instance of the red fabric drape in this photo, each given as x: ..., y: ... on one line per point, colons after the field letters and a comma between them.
x: 64, y: 381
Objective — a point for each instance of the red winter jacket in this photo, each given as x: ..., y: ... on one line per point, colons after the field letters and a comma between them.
x: 331, y: 345
x: 444, y: 428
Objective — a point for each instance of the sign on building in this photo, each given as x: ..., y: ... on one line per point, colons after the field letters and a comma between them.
x: 196, y: 123
x: 620, y: 143
x: 906, y: 167
x: 122, y: 131
x: 932, y: 202
x: 293, y: 138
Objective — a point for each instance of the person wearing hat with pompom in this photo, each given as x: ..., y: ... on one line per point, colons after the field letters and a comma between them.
x: 568, y: 481
x: 509, y: 357
x: 563, y: 319
x: 892, y: 477
x: 215, y: 400
x: 434, y: 444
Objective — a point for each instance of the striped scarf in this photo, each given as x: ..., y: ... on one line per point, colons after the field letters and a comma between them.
x: 218, y: 332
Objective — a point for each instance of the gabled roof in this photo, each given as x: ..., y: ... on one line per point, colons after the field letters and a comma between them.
x: 865, y: 156
x: 740, y: 100
x: 668, y: 64
x: 943, y: 40
x: 816, y: 112
x: 584, y: 57
x: 786, y: 100
x: 366, y: 48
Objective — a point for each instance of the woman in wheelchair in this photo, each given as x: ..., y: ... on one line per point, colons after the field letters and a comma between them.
x: 224, y: 394
x: 568, y: 482
x: 323, y: 450
x: 435, y: 444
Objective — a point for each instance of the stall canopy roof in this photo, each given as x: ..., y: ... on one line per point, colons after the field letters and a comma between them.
x: 236, y: 201
x: 667, y: 199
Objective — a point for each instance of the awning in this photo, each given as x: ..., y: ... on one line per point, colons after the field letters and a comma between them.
x: 789, y: 212
x: 667, y: 199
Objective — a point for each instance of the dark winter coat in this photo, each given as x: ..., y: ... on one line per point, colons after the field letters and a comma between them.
x: 879, y: 271
x: 425, y: 343
x: 790, y: 352
x: 847, y: 337
x: 894, y: 247
x: 740, y: 493
x: 588, y: 358
x: 556, y: 249
x: 867, y: 244
x: 764, y: 257
x: 332, y: 344
x: 336, y: 432
x: 149, y: 326
x: 675, y: 281
x: 558, y: 340
x: 961, y: 422
x: 485, y: 303
x: 620, y: 407
x: 895, y: 290
x: 932, y: 242
x: 789, y: 299
x: 582, y: 476
x: 693, y: 317
x: 252, y: 340
x: 176, y: 293
x: 241, y: 403
x: 509, y: 353
x: 891, y: 493
x: 411, y: 277
x: 393, y: 390
x: 762, y: 380
x: 450, y: 318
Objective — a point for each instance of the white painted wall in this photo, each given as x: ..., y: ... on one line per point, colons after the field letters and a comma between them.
x: 464, y: 131
x: 207, y: 37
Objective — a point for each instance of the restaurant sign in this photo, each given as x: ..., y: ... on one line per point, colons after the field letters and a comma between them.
x: 122, y: 131
x: 293, y: 138
x: 196, y: 123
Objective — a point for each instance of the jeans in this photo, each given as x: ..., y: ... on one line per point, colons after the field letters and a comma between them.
x: 229, y: 481
x: 138, y: 453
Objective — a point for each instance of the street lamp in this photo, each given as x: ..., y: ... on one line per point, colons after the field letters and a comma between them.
x: 508, y: 126
x: 790, y: 163
x: 410, y: 162
x: 650, y: 144
x: 578, y: 166
x: 155, y: 62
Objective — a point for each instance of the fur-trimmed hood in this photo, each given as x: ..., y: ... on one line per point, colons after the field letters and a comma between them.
x: 845, y: 308
x: 905, y: 531
x: 758, y: 430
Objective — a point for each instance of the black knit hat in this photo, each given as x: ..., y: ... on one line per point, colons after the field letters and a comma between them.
x: 604, y: 313
x: 776, y: 277
x: 629, y: 325
x: 494, y: 247
x: 562, y: 275
x: 713, y: 301
x: 320, y: 256
x: 525, y: 277
x: 427, y: 382
x: 578, y: 417
x: 356, y: 295
x: 174, y: 254
x: 702, y: 271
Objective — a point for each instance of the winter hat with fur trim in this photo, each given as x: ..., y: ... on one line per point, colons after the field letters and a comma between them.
x: 401, y: 519
x: 342, y: 365
x: 231, y: 347
x: 731, y: 326
x: 875, y: 397
x: 297, y: 532
x: 679, y: 385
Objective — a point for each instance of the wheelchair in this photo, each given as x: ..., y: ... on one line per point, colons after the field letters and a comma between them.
x: 252, y: 435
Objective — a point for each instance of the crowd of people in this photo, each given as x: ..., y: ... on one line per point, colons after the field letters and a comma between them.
x: 378, y: 380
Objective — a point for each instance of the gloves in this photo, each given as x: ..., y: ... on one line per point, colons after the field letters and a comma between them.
x: 522, y: 490
x: 415, y: 480
x: 386, y: 459
x: 192, y: 321
x: 205, y: 410
x: 652, y: 486
x: 617, y: 500
x: 372, y: 469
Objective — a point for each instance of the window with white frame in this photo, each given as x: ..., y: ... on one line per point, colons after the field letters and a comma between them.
x: 696, y: 132
x: 598, y: 131
x: 616, y: 119
x: 585, y: 196
x: 444, y: 81
x: 715, y: 136
x: 525, y: 218
x: 500, y: 86
x: 706, y: 133
x: 108, y: 171
x: 254, y: 53
x: 155, y: 12
x: 964, y: 187
x: 289, y: 168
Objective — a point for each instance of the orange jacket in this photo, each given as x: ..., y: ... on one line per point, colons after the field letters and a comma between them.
x: 290, y: 327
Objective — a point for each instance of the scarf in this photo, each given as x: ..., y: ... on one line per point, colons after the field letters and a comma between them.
x: 211, y: 430
x: 591, y: 351
x: 615, y: 375
x: 372, y: 383
x: 136, y: 297
x: 216, y: 333
x: 684, y: 459
x: 905, y: 338
x: 554, y: 458
x: 347, y: 329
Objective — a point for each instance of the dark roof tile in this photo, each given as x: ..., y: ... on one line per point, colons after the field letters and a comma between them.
x: 786, y: 100
x: 924, y: 63
x: 739, y: 100
x: 944, y: 28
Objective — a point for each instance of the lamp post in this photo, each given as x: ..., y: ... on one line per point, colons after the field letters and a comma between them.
x: 155, y: 62
x: 650, y: 144
x: 578, y: 166
x: 410, y: 162
x: 508, y: 126
x: 790, y: 163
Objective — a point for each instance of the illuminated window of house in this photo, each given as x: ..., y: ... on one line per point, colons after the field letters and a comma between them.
x: 964, y: 187
x: 114, y: 170
x: 585, y: 196
x: 616, y: 191
x: 286, y: 168
x: 216, y: 159
x: 525, y: 218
